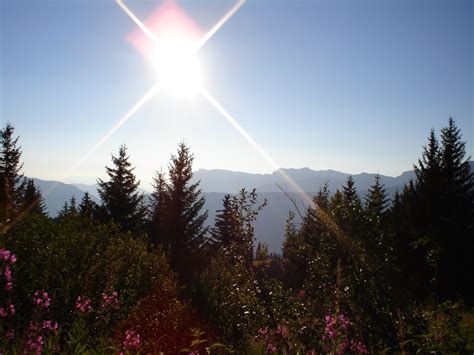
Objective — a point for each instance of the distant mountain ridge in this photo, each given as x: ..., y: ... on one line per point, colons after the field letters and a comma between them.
x: 270, y: 225
x: 309, y: 180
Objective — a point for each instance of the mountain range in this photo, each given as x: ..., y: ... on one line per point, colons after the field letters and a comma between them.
x: 270, y: 225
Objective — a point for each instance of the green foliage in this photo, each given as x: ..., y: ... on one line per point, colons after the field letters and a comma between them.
x: 184, y: 220
x: 425, y: 330
x: 73, y: 258
x: 121, y: 200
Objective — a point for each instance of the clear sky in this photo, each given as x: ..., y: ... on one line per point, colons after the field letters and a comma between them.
x: 328, y: 84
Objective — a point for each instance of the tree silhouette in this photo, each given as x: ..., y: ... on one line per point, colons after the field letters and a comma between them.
x: 121, y: 200
x: 11, y: 187
x: 184, y: 216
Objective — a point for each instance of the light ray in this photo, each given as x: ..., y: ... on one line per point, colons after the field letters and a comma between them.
x: 219, y: 24
x: 135, y: 19
x: 257, y: 147
x: 107, y: 135
x: 341, y: 236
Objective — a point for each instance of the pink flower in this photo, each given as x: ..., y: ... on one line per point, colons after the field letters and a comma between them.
x: 110, y: 301
x: 271, y: 349
x: 83, y: 304
x: 49, y: 325
x: 41, y: 299
x: 132, y: 340
x: 282, y: 330
x: 358, y: 347
x: 262, y: 333
x: 10, y: 333
x: 3, y: 312
x: 4, y: 254
x: 35, y: 345
x: 12, y: 309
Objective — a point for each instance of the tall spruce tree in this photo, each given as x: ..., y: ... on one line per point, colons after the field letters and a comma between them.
x: 88, y: 208
x: 121, y: 200
x: 11, y: 187
x: 226, y: 229
x: 457, y: 254
x: 185, y: 218
x: 233, y: 227
x: 159, y: 198
x: 32, y: 199
x: 439, y: 207
x: 376, y: 201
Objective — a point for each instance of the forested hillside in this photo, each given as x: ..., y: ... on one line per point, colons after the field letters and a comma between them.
x: 123, y: 272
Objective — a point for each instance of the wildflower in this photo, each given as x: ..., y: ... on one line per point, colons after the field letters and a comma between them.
x: 49, y: 325
x: 271, y: 349
x: 4, y: 254
x: 110, y: 300
x: 11, y: 306
x: 262, y: 333
x: 3, y: 313
x: 10, y: 334
x: 282, y: 330
x: 41, y: 299
x: 35, y: 345
x: 358, y: 347
x: 83, y: 304
x: 132, y: 340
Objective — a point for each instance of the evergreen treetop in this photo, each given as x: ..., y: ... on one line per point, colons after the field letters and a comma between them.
x: 120, y: 197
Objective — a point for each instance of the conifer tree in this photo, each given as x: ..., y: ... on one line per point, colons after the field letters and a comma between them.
x: 456, y: 242
x: 11, y: 188
x: 32, y: 199
x: 226, y: 229
x: 376, y: 201
x: 185, y: 220
x: 233, y: 226
x: 121, y: 200
x: 159, y: 198
x: 88, y: 208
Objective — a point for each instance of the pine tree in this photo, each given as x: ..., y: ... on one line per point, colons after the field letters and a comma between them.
x: 233, y: 227
x: 185, y: 220
x: 88, y: 208
x: 11, y: 188
x: 376, y: 201
x: 121, y: 200
x: 32, y: 199
x: 159, y: 198
x: 352, y: 221
x: 226, y: 229
x: 456, y: 259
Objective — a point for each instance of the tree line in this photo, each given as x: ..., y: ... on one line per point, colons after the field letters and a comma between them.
x: 355, y: 275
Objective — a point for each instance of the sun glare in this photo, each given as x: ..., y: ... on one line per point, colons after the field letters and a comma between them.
x: 176, y: 65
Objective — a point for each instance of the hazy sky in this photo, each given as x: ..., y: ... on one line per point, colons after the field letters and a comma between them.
x: 346, y: 85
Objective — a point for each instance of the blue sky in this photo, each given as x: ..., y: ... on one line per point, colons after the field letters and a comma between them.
x: 347, y: 85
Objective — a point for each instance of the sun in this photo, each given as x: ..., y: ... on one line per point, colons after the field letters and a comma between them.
x: 178, y: 69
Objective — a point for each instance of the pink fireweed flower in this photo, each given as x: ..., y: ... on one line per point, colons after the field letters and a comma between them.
x: 110, y: 301
x: 83, y: 304
x: 11, y: 307
x: 3, y: 312
x: 358, y: 347
x: 271, y: 349
x: 49, y: 325
x: 262, y: 333
x: 41, y: 299
x: 335, y: 334
x: 282, y: 330
x: 4, y: 254
x: 35, y: 345
x: 10, y: 334
x: 132, y: 340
